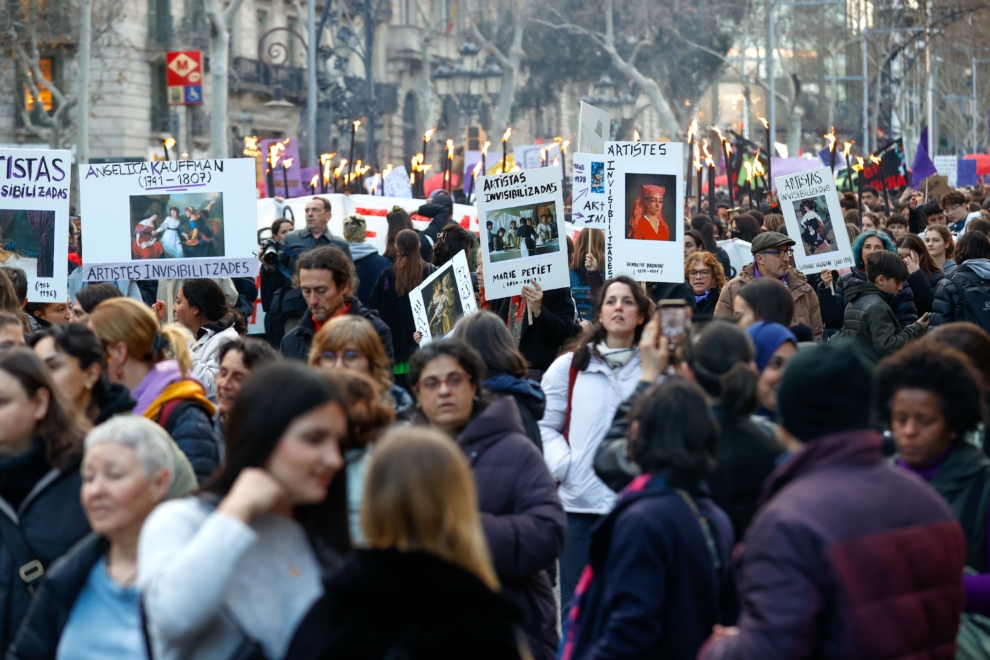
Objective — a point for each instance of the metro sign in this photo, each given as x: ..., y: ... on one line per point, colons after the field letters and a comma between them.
x: 184, y: 73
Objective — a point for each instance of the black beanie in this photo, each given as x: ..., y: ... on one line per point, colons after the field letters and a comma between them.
x: 826, y: 389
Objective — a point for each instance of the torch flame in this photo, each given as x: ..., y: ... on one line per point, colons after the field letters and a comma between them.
x: 708, y: 154
x: 484, y: 147
x: 429, y: 134
x: 556, y: 161
x: 450, y: 149
x: 275, y: 152
x: 477, y: 169
x: 314, y: 180
x: 543, y: 154
x: 874, y: 159
x: 357, y: 124
x: 763, y: 121
x: 286, y: 163
x: 858, y: 165
x: 169, y: 142
x: 564, y: 145
x: 507, y: 134
x: 327, y: 164
x: 692, y: 129
x: 830, y: 136
x: 848, y: 146
x: 749, y: 171
x: 636, y: 137
x: 388, y: 170
x: 718, y: 132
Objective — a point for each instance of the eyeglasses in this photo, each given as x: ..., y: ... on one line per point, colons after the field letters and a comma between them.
x: 700, y: 273
x: 452, y: 381
x: 348, y: 357
x: 950, y: 209
x: 780, y: 253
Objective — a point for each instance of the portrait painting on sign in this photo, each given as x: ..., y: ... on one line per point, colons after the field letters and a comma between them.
x: 650, y: 206
x: 27, y: 241
x: 817, y: 234
x: 177, y: 226
x: 444, y: 309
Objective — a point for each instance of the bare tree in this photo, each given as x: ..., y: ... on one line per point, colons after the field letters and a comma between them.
x: 509, y: 58
x: 220, y: 22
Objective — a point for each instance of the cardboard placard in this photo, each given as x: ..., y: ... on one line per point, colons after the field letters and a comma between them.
x: 588, y: 190
x: 594, y: 129
x: 170, y: 219
x: 443, y: 299
x: 527, y: 242
x: 644, y: 184
x: 810, y: 205
x: 34, y: 219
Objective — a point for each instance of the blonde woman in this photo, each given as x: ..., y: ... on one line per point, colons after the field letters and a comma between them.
x: 155, y: 365
x: 424, y: 584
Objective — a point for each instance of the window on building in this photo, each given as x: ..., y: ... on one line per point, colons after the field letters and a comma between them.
x: 160, y: 21
x: 46, y: 65
x: 160, y: 120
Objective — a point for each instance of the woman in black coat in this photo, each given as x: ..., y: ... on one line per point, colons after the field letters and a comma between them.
x: 923, y: 273
x: 40, y: 513
x: 520, y: 512
x: 704, y: 273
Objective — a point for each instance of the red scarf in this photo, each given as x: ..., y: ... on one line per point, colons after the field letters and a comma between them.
x: 340, y: 312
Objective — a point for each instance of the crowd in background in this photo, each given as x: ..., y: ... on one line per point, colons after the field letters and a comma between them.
x: 799, y: 470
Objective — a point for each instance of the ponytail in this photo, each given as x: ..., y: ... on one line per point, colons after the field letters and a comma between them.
x: 171, y: 342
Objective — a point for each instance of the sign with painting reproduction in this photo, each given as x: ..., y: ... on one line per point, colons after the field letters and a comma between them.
x: 443, y: 299
x: 34, y: 219
x: 170, y: 219
x: 644, y: 194
x: 588, y: 190
x: 523, y: 236
x: 810, y: 205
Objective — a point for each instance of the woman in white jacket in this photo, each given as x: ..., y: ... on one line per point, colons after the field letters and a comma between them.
x: 583, y: 389
x: 201, y: 306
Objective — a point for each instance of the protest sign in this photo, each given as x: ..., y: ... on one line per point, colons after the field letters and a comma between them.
x: 947, y: 166
x: 444, y: 298
x: 594, y: 129
x: 588, y: 190
x: 810, y: 205
x: 397, y: 184
x: 528, y: 156
x: 170, y: 219
x: 34, y: 218
x: 526, y: 238
x: 966, y: 172
x: 644, y: 230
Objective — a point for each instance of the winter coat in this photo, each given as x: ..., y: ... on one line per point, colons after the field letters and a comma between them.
x: 115, y: 400
x: 540, y: 343
x: 655, y: 591
x: 396, y: 312
x: 368, y: 265
x: 672, y: 290
x: 923, y: 288
x: 521, y: 514
x: 849, y: 557
x: 529, y: 399
x: 828, y: 303
x: 206, y: 353
x: 296, y: 344
x: 299, y: 241
x: 440, y: 211
x: 902, y: 303
x: 806, y: 308
x: 705, y: 309
x: 598, y: 392
x: 414, y: 605
x: 949, y: 303
x: 871, y: 323
x: 51, y: 520
x: 41, y: 630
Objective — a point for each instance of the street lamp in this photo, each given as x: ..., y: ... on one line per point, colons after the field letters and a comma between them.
x: 603, y: 95
x: 275, y: 53
x: 470, y: 82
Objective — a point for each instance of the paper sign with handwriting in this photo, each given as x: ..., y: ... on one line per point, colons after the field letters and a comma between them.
x: 813, y: 218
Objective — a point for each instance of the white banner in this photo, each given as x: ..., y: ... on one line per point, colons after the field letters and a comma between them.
x: 810, y: 205
x: 444, y: 298
x: 527, y: 241
x: 594, y: 129
x: 167, y: 219
x: 34, y: 219
x: 644, y: 189
x: 588, y: 190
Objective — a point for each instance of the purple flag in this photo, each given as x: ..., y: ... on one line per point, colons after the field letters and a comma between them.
x: 923, y: 167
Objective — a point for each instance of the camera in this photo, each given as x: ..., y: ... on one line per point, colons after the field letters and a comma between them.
x: 269, y: 251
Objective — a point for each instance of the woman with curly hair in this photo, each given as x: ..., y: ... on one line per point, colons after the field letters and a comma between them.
x: 931, y: 398
x: 705, y: 275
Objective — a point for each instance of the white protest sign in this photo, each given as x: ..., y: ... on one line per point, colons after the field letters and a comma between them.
x: 443, y: 299
x: 527, y: 241
x: 170, y: 219
x: 594, y: 129
x: 588, y: 190
x: 644, y: 189
x: 397, y: 183
x: 528, y: 156
x: 813, y: 217
x: 947, y: 166
x: 34, y: 219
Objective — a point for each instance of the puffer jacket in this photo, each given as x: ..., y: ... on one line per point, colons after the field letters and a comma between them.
x: 806, y: 306
x: 923, y: 288
x: 529, y: 399
x: 871, y: 323
x: 948, y: 305
x: 902, y: 303
x: 598, y: 392
x: 522, y: 517
x: 206, y: 353
x: 297, y: 342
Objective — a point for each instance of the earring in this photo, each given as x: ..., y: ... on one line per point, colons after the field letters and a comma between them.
x: 89, y: 386
x: 119, y: 372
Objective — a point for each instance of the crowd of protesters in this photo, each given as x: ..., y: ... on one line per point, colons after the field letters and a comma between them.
x: 799, y: 470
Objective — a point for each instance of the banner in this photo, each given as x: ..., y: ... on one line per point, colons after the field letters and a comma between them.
x: 644, y: 229
x: 443, y: 299
x: 947, y: 166
x: 810, y: 205
x: 526, y: 237
x: 169, y: 219
x: 745, y: 151
x: 594, y: 129
x: 34, y: 219
x: 588, y: 190
x: 966, y: 172
x: 892, y: 170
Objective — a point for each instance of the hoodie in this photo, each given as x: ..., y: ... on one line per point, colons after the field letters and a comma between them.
x: 529, y: 398
x: 872, y: 324
x: 369, y: 265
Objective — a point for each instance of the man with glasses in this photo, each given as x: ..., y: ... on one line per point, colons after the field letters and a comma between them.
x: 955, y: 207
x: 772, y: 252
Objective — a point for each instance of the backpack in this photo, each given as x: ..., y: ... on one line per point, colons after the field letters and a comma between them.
x: 975, y: 297
x: 172, y: 410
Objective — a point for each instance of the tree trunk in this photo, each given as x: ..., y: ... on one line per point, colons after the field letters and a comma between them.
x: 82, y: 92
x: 219, y: 68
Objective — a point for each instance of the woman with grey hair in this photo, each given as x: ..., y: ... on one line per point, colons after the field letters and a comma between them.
x: 88, y: 604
